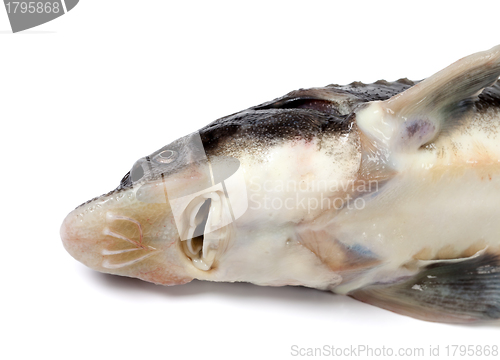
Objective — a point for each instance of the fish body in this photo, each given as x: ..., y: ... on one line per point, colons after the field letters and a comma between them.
x: 386, y: 192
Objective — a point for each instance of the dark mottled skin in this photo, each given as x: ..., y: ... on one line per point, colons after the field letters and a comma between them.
x: 357, y: 92
x: 271, y: 124
x: 305, y: 113
x: 301, y: 113
x: 489, y: 98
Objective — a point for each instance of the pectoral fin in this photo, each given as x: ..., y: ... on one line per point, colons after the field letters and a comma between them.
x: 455, y: 292
x: 415, y: 117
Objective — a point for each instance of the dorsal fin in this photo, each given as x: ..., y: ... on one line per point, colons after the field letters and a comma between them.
x: 416, y: 116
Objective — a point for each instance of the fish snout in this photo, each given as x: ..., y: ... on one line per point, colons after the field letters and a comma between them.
x: 118, y: 235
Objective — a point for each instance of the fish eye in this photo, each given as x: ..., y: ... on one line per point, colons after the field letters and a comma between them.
x: 137, y: 173
x: 165, y: 157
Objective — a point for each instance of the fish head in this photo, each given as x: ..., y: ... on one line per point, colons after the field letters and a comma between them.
x: 132, y: 231
x: 227, y: 203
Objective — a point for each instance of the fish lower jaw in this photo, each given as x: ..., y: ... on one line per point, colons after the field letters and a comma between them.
x: 305, y: 273
x: 327, y: 285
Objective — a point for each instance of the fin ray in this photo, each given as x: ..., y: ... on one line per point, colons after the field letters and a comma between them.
x: 454, y: 292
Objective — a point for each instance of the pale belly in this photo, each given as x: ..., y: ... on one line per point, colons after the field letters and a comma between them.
x: 423, y: 215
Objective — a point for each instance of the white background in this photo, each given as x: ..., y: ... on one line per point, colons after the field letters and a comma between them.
x: 84, y: 96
